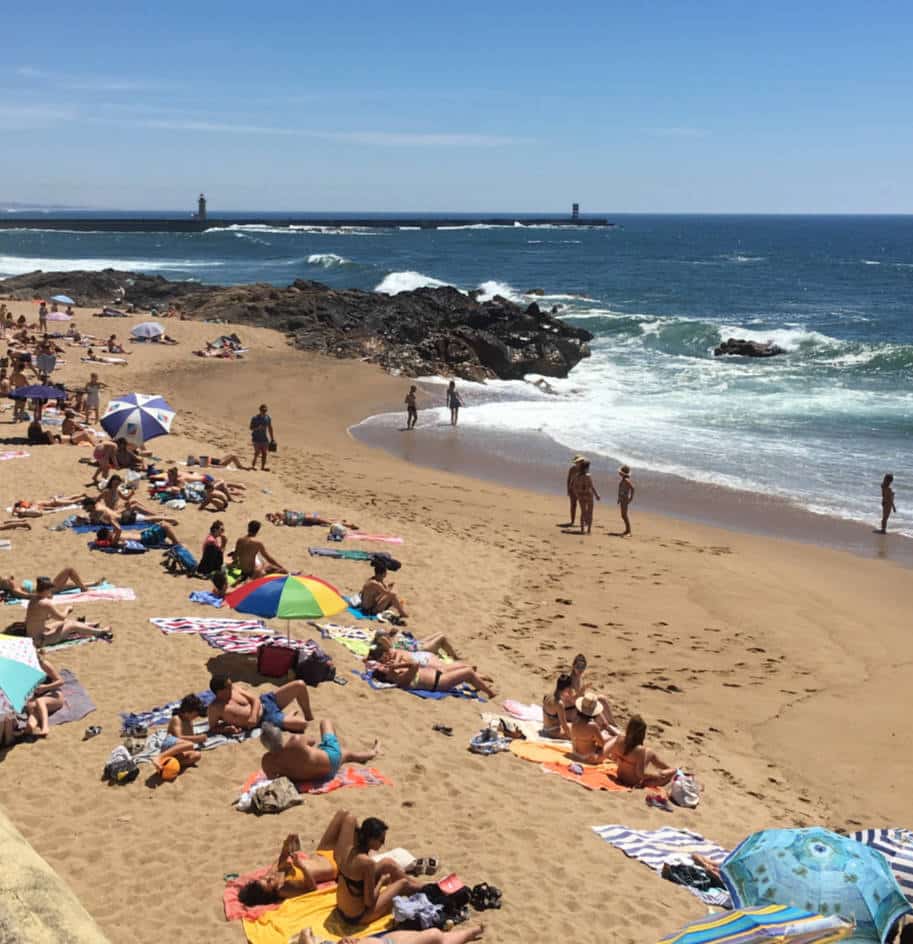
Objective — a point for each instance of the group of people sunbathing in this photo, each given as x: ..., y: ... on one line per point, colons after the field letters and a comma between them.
x: 573, y: 713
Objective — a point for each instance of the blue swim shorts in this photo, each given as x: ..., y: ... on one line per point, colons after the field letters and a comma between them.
x: 329, y: 744
x: 272, y: 713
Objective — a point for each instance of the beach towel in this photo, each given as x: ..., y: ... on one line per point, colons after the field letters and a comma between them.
x: 155, y: 739
x: 554, y: 760
x: 348, y: 776
x: 93, y: 528
x: 229, y: 640
x: 532, y: 730
x: 317, y: 911
x: 380, y: 538
x: 161, y: 714
x: 13, y: 454
x: 103, y: 594
x: 354, y: 638
x: 896, y: 845
x: 339, y: 554
x: 196, y: 625
x: 523, y: 712
x: 464, y: 691
x: 668, y: 846
x: 206, y: 598
x: 128, y: 547
x: 76, y: 701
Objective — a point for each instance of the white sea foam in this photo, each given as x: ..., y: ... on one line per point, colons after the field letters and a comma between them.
x: 19, y: 265
x: 296, y: 228
x: 870, y: 262
x: 409, y: 229
x: 492, y: 287
x: 397, y: 282
x: 327, y: 259
x: 790, y: 339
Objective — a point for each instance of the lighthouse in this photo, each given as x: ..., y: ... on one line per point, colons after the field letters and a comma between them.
x: 201, y: 208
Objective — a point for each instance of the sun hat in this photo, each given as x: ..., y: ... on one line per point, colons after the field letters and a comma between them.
x: 624, y: 470
x: 579, y: 459
x: 588, y: 705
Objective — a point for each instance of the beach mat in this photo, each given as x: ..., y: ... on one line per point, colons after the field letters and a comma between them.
x: 354, y: 638
x: 522, y: 712
x: 160, y: 714
x: 352, y: 775
x: 380, y: 538
x: 317, y: 911
x: 76, y: 701
x: 464, y: 691
x: 155, y: 739
x: 93, y: 528
x: 668, y: 846
x: 197, y: 625
x: 103, y: 594
x: 247, y: 643
x: 553, y: 759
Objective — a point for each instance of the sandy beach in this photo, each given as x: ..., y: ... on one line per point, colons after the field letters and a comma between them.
x: 770, y: 668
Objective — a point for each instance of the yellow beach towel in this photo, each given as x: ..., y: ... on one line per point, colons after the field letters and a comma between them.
x: 317, y: 911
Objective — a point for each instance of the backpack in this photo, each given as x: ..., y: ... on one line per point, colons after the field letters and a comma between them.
x: 275, y: 659
x: 152, y: 536
x: 178, y: 560
x: 275, y: 797
x: 314, y: 666
x: 121, y: 768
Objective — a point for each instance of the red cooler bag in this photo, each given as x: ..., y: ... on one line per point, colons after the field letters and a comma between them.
x: 275, y: 660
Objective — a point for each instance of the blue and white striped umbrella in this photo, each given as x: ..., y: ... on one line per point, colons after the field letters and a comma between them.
x: 137, y: 417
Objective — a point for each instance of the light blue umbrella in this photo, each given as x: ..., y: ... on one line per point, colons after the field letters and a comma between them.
x: 62, y: 300
x: 818, y: 871
x: 148, y: 329
x: 19, y: 672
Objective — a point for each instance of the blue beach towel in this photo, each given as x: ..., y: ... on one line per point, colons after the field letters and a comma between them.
x: 464, y: 691
x: 161, y: 714
x: 92, y: 528
x: 206, y: 597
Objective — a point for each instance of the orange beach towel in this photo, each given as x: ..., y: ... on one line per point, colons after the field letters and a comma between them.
x: 554, y: 760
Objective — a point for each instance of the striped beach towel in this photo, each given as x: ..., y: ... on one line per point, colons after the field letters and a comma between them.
x: 229, y: 640
x: 658, y: 847
x: 92, y: 595
x: 896, y: 845
x: 197, y: 625
x: 381, y: 538
x: 160, y: 714
x: 354, y: 638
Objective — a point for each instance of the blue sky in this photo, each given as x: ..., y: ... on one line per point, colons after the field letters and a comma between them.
x: 635, y: 107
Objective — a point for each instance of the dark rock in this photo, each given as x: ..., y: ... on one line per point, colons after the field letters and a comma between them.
x: 426, y: 331
x: 742, y: 348
x: 534, y: 291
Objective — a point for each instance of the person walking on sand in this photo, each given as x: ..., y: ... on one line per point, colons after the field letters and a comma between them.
x: 586, y: 492
x: 572, y: 474
x: 887, y: 502
x: 411, y: 408
x: 454, y: 402
x: 625, y: 496
x: 262, y: 437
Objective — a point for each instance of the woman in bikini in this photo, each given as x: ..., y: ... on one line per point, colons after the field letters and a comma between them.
x: 633, y: 758
x: 558, y: 710
x: 365, y: 888
x: 296, y: 872
x: 431, y: 680
x: 586, y: 491
x: 304, y: 519
x: 887, y: 502
x: 384, y: 651
x: 605, y: 719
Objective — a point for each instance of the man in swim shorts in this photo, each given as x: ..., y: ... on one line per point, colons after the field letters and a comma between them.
x: 236, y: 708
x: 300, y: 758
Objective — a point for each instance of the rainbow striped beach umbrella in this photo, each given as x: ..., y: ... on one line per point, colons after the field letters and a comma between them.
x: 775, y: 924
x: 287, y: 596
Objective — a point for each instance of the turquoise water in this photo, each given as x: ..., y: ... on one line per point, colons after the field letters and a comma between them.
x: 819, y: 425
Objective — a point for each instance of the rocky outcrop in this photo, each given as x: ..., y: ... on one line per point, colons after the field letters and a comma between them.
x: 742, y: 348
x: 422, y: 332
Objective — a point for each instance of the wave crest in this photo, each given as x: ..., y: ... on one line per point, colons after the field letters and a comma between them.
x: 408, y: 281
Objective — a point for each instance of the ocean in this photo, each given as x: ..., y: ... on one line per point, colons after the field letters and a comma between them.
x: 818, y: 426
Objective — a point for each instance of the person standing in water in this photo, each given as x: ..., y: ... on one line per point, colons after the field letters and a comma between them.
x: 625, y: 496
x: 572, y: 474
x: 887, y: 502
x: 411, y: 408
x: 454, y: 402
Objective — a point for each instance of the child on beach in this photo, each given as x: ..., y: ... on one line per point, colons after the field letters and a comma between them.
x: 181, y: 742
x: 625, y: 496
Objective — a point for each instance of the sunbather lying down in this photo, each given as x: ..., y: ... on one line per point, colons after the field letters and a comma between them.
x: 431, y: 680
x: 304, y: 519
x: 67, y: 579
x: 383, y: 652
x: 301, y: 758
x: 435, y: 643
x: 462, y: 935
x: 29, y: 509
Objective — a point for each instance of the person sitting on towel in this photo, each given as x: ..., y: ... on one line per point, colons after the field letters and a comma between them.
x: 588, y: 739
x: 304, y: 759
x: 559, y: 710
x: 633, y: 758
x: 377, y: 595
x: 46, y: 625
x: 248, y: 549
x: 236, y: 708
x: 296, y: 872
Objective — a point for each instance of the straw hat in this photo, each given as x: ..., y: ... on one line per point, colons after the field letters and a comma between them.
x: 579, y: 459
x: 588, y: 705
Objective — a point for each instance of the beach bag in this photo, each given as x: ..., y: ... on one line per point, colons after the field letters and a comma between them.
x: 450, y: 894
x: 152, y: 536
x: 178, y: 560
x: 275, y: 797
x: 685, y: 790
x: 275, y: 660
x: 314, y: 666
x: 121, y: 768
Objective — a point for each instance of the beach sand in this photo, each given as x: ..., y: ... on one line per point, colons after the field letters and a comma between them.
x: 770, y: 668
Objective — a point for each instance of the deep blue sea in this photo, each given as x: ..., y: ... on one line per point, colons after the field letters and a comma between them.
x: 819, y: 425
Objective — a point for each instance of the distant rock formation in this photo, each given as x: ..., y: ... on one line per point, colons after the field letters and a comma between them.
x: 739, y: 347
x: 423, y: 332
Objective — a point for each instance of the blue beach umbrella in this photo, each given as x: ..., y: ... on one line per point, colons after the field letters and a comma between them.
x: 137, y: 417
x: 775, y: 924
x: 62, y: 300
x: 818, y: 871
x: 148, y: 329
x: 38, y: 392
x: 20, y: 672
